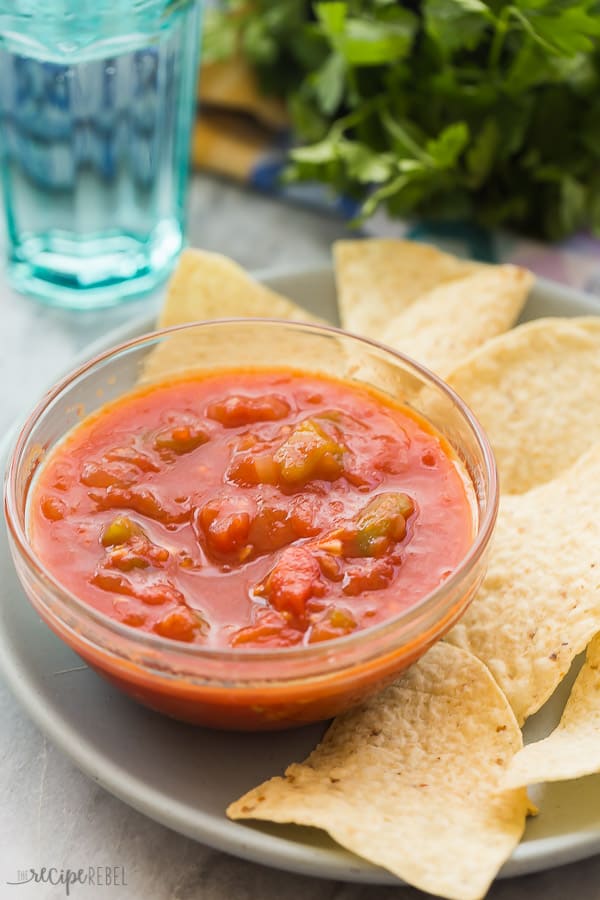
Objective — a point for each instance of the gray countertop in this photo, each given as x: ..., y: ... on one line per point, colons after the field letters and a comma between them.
x: 50, y: 813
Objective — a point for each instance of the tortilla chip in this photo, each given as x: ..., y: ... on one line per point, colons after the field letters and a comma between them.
x: 209, y: 286
x: 442, y: 327
x: 573, y: 748
x: 409, y: 780
x: 377, y: 279
x: 539, y: 604
x: 536, y: 392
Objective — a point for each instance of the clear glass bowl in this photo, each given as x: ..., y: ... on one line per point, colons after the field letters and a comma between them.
x: 249, y: 689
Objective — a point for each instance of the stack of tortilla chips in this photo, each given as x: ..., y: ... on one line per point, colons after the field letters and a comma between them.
x: 428, y: 777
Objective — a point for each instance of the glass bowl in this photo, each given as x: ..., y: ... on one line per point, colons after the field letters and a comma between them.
x: 250, y: 689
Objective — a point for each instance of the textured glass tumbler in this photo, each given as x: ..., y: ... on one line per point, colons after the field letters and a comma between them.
x: 96, y: 105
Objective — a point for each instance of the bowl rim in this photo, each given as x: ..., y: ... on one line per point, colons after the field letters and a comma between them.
x: 157, y: 643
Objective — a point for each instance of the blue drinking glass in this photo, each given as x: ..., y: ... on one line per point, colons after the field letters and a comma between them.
x: 96, y: 107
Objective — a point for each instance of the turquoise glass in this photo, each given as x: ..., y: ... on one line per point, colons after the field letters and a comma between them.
x: 96, y: 109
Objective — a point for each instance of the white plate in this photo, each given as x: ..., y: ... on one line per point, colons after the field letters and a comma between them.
x: 183, y: 776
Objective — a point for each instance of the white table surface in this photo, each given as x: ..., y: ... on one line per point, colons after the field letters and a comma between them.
x: 50, y: 813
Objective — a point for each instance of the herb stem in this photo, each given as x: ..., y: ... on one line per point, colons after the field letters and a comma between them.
x: 499, y: 36
x: 354, y: 118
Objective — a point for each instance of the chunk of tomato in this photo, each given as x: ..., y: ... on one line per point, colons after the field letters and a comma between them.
x: 119, y: 466
x: 335, y: 622
x: 237, y: 410
x: 181, y: 624
x: 251, y: 467
x: 270, y: 629
x: 276, y: 525
x: 143, y: 501
x: 53, y: 508
x: 223, y: 525
x: 294, y: 579
x: 369, y: 575
x: 153, y: 593
x: 177, y: 440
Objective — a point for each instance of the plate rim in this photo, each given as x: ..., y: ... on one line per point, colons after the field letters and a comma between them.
x: 239, y: 839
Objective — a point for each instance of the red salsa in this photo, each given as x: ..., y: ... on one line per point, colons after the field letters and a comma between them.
x: 251, y: 509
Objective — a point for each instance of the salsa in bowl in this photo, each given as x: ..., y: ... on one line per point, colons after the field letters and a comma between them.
x: 250, y: 524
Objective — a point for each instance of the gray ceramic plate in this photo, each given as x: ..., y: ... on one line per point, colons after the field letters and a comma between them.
x: 184, y: 777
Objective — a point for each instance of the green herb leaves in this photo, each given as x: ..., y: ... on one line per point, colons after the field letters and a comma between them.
x: 435, y: 107
x: 362, y: 41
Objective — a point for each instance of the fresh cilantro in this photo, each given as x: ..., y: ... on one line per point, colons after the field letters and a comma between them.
x: 436, y: 107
